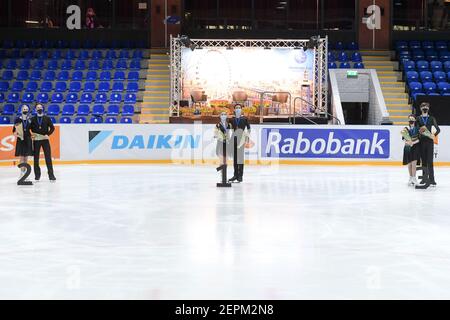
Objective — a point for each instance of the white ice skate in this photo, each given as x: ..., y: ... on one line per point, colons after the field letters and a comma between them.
x: 414, y: 181
x: 411, y: 181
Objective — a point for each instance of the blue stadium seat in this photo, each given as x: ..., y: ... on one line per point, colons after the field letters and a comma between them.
x: 49, y: 75
x: 429, y: 87
x: 61, y: 86
x: 96, y: 120
x: 444, y: 56
x: 36, y: 75
x: 415, y: 87
x: 344, y: 65
x: 11, y: 65
x: 126, y: 120
x: 356, y: 57
x: 29, y: 54
x: 42, y: 98
x: 399, y: 45
x: 83, y: 110
x: 2, y: 97
x: 68, y: 110
x: 104, y: 87
x: 418, y: 55
x: 111, y: 54
x: 39, y: 65
x: 5, y: 120
x: 426, y: 76
x: 133, y: 76
x: 70, y: 55
x: 98, y: 110
x: 101, y: 98
x: 422, y: 65
x: 7, y: 75
x: 118, y: 87
x: 447, y: 66
x: 57, y: 98
x: 121, y: 65
x: 358, y: 65
x: 66, y: 65
x: 65, y: 120
x: 25, y: 64
x: 138, y: 54
x: 409, y: 65
x: 107, y: 65
x: 89, y: 87
x: 91, y: 76
x: 52, y: 65
x: 412, y: 76
x: 32, y: 86
x: 119, y: 76
x: 62, y: 75
x: 17, y: 86
x: 23, y: 75
x: 342, y: 56
x: 53, y: 120
x: 80, y: 65
x: 57, y: 55
x: 128, y: 110
x: 436, y: 66
x: 77, y: 76
x: 53, y: 110
x: 439, y: 76
x: 111, y: 120
x: 8, y: 110
x: 441, y: 45
x: 43, y: 55
x: 28, y: 97
x: 427, y: 45
x: 443, y: 87
x: 13, y: 97
x: 124, y: 54
x: 72, y: 98
x: 80, y: 120
x: 431, y: 55
x: 113, y: 110
x: 105, y: 76
x: 4, y: 86
x: 84, y: 55
x: 339, y: 45
x: 46, y: 86
x: 94, y: 65
x: 86, y: 98
x: 136, y: 64
x: 415, y: 45
x: 97, y: 54
x: 133, y: 87
x: 115, y: 98
x: 75, y: 86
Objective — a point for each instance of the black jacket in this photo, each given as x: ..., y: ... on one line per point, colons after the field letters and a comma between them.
x: 46, y: 127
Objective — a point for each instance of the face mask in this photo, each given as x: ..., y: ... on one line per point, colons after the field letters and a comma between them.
x: 411, y: 122
x: 238, y: 112
x: 425, y: 110
x: 40, y: 112
x: 223, y: 118
x: 24, y: 112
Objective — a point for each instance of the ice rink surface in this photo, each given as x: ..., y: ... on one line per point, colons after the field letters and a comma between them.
x: 166, y: 232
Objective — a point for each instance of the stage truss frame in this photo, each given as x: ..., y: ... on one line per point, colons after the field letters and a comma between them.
x: 320, y: 66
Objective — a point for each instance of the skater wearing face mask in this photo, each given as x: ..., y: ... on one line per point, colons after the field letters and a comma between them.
x: 21, y: 130
x: 411, y: 151
x: 41, y: 128
x: 425, y: 123
x: 241, y: 134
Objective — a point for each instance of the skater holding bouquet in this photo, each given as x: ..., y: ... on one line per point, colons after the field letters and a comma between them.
x: 411, y: 151
x: 241, y: 136
x: 425, y: 124
x: 21, y: 130
x: 222, y: 134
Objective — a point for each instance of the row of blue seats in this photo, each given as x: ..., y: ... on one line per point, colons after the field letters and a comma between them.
x: 344, y: 57
x: 71, y: 54
x: 70, y: 110
x: 78, y: 120
x: 65, y: 75
x: 70, y: 98
x: 423, y: 65
x: 427, y: 76
x: 346, y: 65
x: 421, y: 55
x: 86, y: 44
x: 430, y: 88
x: 353, y: 46
x: 62, y: 86
x: 69, y: 65
x: 439, y: 45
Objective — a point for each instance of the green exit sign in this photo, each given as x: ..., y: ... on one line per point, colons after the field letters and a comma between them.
x: 352, y: 74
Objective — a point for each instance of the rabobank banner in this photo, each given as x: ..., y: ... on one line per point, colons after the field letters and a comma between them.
x: 325, y: 143
x: 269, y: 143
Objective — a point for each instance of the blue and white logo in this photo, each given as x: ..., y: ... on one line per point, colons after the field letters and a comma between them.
x: 325, y: 143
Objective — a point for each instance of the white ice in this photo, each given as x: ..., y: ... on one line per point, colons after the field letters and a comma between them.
x: 167, y: 232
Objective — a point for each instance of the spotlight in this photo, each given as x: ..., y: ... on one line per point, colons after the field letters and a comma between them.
x: 313, y: 42
x: 187, y: 42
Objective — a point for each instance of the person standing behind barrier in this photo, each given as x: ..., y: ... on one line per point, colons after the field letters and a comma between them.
x: 42, y: 127
x: 425, y: 123
x: 241, y: 133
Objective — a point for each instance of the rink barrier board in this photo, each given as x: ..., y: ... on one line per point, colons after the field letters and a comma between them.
x: 194, y: 144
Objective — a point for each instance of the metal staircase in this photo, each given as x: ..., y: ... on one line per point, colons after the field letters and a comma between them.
x: 155, y: 107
